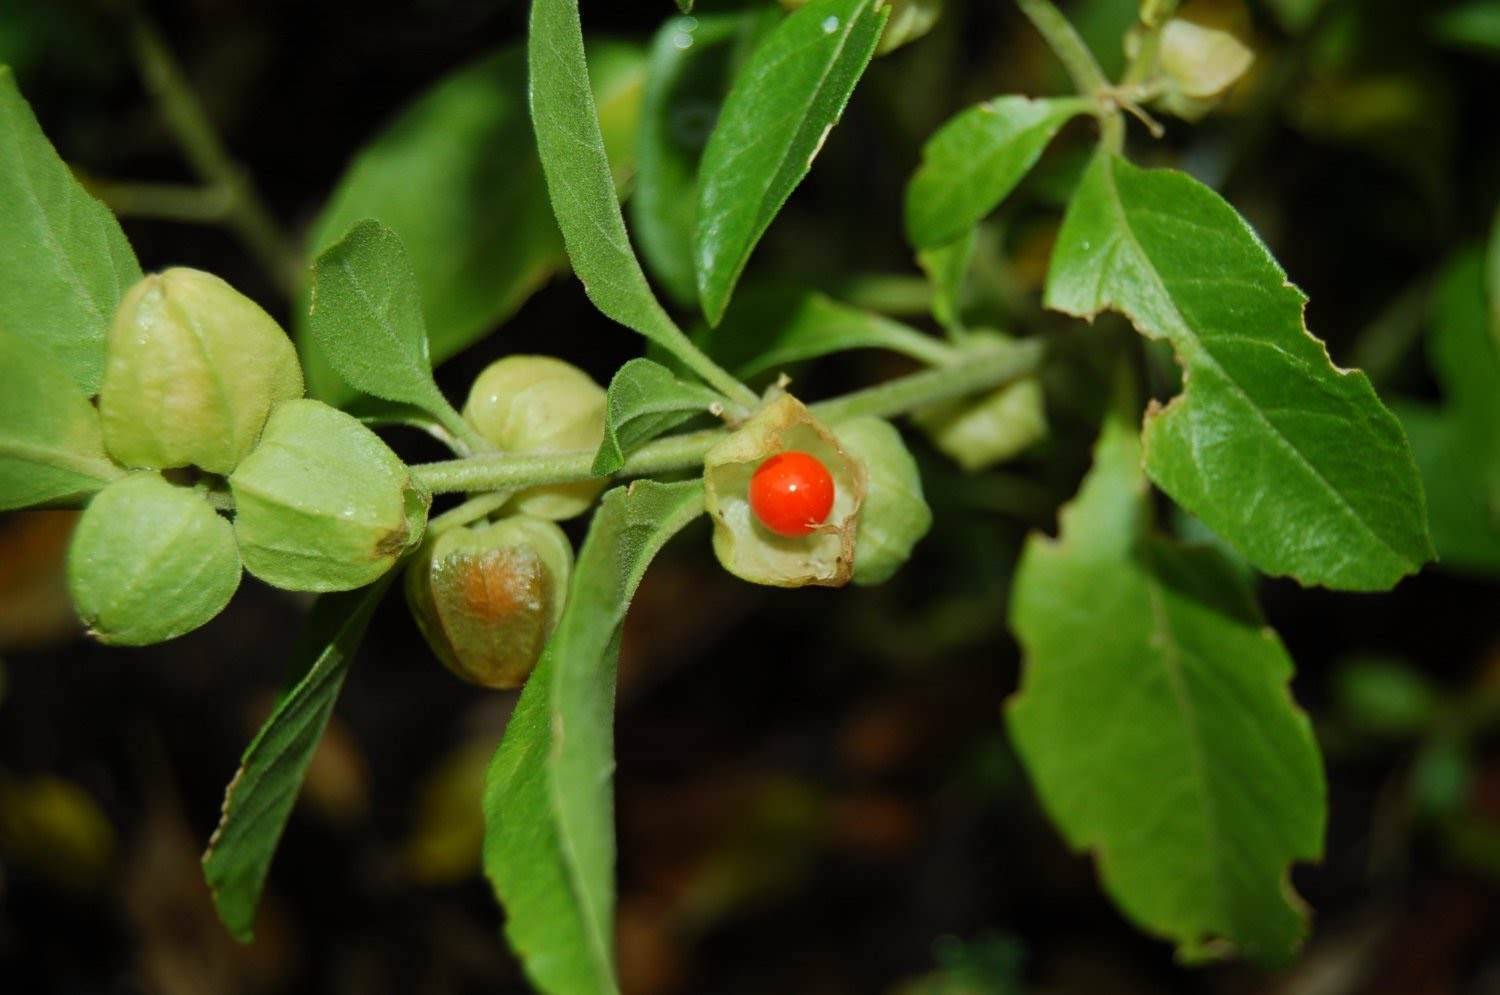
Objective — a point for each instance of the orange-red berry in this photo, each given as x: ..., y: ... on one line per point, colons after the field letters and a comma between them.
x: 791, y: 493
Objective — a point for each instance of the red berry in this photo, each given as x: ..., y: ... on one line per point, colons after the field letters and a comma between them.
x: 791, y: 493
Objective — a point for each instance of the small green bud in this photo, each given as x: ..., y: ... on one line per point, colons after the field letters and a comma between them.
x: 895, y: 515
x: 745, y: 547
x: 193, y: 369
x: 1199, y: 65
x: 537, y: 404
x: 150, y: 561
x: 979, y: 434
x: 322, y: 504
x: 487, y: 597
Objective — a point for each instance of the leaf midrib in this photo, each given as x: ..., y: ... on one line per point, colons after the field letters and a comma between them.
x: 1172, y: 664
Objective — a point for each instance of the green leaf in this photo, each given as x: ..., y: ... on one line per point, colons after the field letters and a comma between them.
x: 549, y: 810
x: 51, y: 446
x: 259, y: 800
x: 1458, y: 446
x: 976, y: 159
x: 772, y: 326
x: 947, y: 269
x: 1155, y: 721
x: 687, y: 76
x: 366, y: 317
x: 456, y: 176
x: 64, y: 262
x: 1293, y: 461
x: 781, y: 108
x: 1474, y: 25
x: 1492, y: 279
x: 578, y: 175
x: 644, y: 400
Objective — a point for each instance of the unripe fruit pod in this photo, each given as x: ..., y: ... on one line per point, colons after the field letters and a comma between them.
x: 150, y: 561
x: 748, y: 549
x: 193, y: 369
x: 895, y: 515
x: 487, y: 597
x: 1199, y: 65
x: 537, y: 404
x: 322, y: 504
x: 979, y: 434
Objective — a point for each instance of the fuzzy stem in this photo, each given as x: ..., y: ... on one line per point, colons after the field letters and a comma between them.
x: 978, y: 371
x: 201, y: 146
x: 1068, y: 45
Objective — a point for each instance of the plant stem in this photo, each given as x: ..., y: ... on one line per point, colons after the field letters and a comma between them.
x: 1068, y: 45
x: 189, y: 202
x: 712, y: 373
x: 979, y: 370
x: 190, y: 125
x: 470, y: 511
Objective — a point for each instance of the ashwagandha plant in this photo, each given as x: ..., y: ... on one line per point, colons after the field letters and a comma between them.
x: 1153, y: 716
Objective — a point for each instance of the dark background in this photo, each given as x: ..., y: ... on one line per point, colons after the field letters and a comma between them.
x: 815, y: 790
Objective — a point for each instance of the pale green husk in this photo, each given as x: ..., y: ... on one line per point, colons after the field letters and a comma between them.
x: 895, y: 515
x: 322, y: 504
x: 150, y: 561
x: 194, y: 367
x: 537, y: 404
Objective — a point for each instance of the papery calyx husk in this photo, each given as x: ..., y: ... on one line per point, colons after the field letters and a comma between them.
x: 193, y: 369
x: 895, y: 515
x: 322, y: 504
x: 150, y: 561
x: 488, y: 596
x: 745, y: 547
x: 538, y: 404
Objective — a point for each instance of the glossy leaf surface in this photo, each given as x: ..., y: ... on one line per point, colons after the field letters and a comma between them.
x: 1292, y: 460
x: 976, y: 159
x: 778, y: 113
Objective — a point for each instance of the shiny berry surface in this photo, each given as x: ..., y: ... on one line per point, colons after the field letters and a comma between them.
x: 791, y: 493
